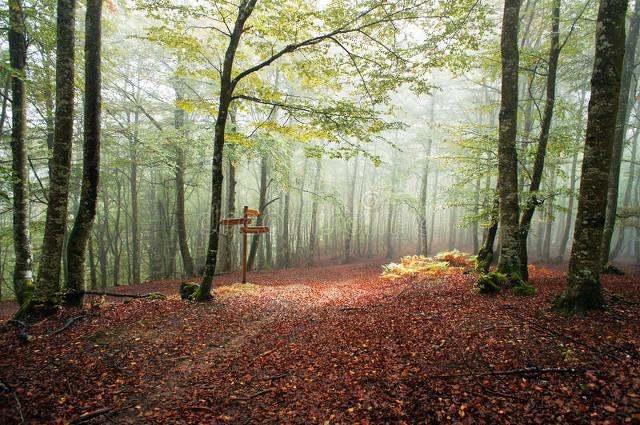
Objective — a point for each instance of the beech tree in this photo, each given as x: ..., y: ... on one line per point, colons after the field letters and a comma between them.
x: 509, y: 262
x: 81, y: 231
x: 22, y: 272
x: 583, y: 290
x: 48, y: 283
x: 625, y: 103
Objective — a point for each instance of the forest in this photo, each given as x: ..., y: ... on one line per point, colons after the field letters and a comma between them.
x: 332, y: 211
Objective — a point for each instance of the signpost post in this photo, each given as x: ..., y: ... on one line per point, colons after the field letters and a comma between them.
x: 247, y: 215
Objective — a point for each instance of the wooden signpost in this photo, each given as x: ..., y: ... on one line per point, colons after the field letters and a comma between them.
x: 247, y: 215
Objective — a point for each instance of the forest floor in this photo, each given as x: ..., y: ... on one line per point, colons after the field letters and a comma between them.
x: 331, y: 345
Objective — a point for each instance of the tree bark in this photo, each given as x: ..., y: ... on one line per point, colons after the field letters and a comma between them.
x: 627, y: 194
x: 485, y: 255
x: 422, y: 209
x: 349, y: 213
x: 622, y: 119
x: 229, y: 252
x: 55, y: 225
x: 133, y: 187
x: 548, y: 226
x: 509, y: 262
x: 179, y: 119
x: 92, y: 265
x: 583, y: 290
x: 543, y: 139
x: 81, y: 231
x: 264, y: 168
x: 284, y: 257
x: 572, y: 182
x: 22, y: 272
x: 300, y: 218
x: 313, y: 235
x: 226, y: 92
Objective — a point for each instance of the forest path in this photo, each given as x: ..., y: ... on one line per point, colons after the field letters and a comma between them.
x: 335, y: 344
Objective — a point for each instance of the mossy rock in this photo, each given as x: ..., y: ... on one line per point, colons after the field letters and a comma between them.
x: 523, y: 289
x: 491, y: 283
x: 156, y: 296
x: 188, y: 290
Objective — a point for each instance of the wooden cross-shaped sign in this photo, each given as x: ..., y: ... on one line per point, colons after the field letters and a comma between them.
x: 247, y: 215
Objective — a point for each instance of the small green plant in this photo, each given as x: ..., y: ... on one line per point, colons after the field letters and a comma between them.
x: 523, y: 289
x: 490, y: 283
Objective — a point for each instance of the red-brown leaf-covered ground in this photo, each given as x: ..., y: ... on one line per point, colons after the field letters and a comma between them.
x: 332, y: 345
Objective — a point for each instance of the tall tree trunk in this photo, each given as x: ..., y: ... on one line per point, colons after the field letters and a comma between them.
x: 22, y: 272
x: 264, y: 167
x: 299, y: 219
x: 572, y: 182
x: 92, y: 265
x: 434, y: 199
x: 476, y: 209
x: 619, y: 137
x: 509, y: 262
x: 548, y: 226
x: 227, y: 86
x: 229, y: 253
x: 56, y: 221
x: 583, y: 290
x: 133, y: 187
x: 349, y: 213
x: 179, y: 119
x: 627, y: 194
x: 422, y: 209
x: 313, y: 236
x: 81, y: 231
x: 5, y: 100
x: 390, y: 251
x: 485, y: 255
x: 284, y: 257
x: 543, y: 139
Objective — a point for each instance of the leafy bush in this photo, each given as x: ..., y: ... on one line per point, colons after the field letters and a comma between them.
x: 418, y: 265
x: 456, y: 258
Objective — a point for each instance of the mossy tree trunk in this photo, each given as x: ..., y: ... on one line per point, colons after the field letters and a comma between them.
x: 509, y: 262
x: 583, y: 290
x: 48, y: 285
x: 624, y: 109
x: 22, y: 272
x: 77, y: 244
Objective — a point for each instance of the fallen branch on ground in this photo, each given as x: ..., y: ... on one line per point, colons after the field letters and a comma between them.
x: 364, y: 307
x: 266, y: 353
x: 278, y: 376
x: 201, y: 408
x: 254, y: 395
x: 521, y: 371
x: 115, y: 294
x: 67, y: 325
x: 4, y: 388
x: 85, y: 417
